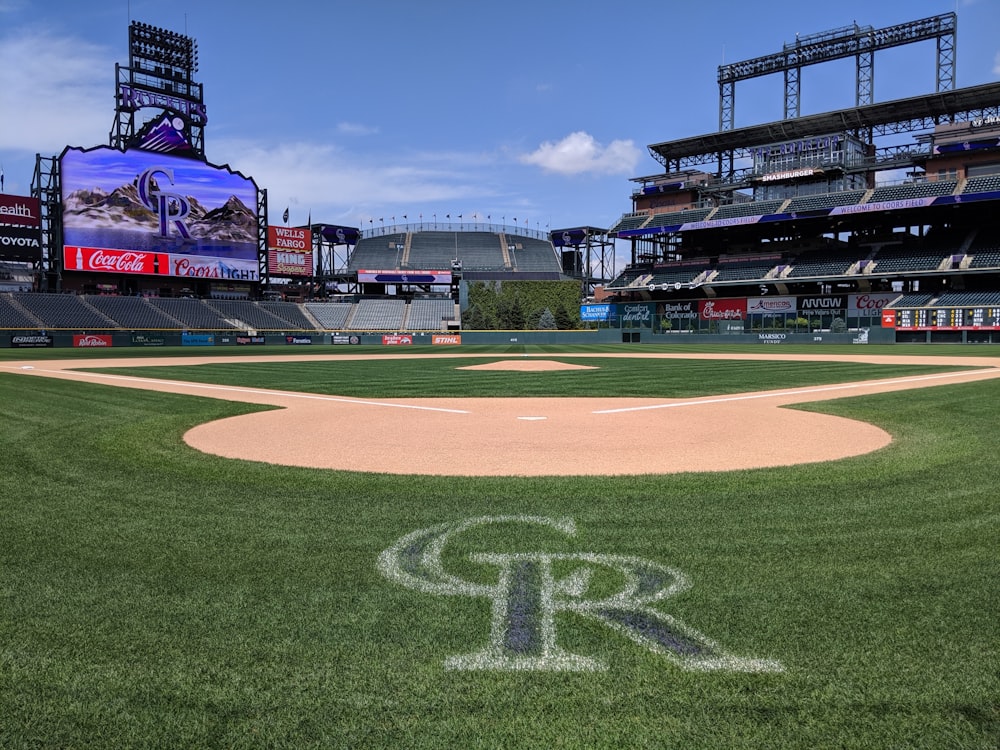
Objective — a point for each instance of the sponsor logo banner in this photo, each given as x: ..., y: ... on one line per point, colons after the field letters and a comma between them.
x: 770, y: 305
x: 30, y: 341
x: 869, y: 304
x: 298, y: 340
x: 20, y: 243
x: 441, y: 339
x: 397, y: 339
x: 141, y: 339
x: 21, y: 210
x: 822, y: 303
x: 91, y: 340
x: 110, y: 260
x: 595, y: 312
x: 636, y: 314
x: 888, y: 318
x: 343, y: 338
x: 722, y: 309
x: 289, y: 251
x: 403, y: 277
x: 197, y: 339
x: 249, y: 340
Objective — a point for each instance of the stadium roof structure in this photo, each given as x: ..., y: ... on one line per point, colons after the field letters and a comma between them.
x: 884, y: 118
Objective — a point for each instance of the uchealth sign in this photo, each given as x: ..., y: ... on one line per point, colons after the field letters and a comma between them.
x: 21, y: 210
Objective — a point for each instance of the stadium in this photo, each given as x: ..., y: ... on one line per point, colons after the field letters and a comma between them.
x: 458, y: 482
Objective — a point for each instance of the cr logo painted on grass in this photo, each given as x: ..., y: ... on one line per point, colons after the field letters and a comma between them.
x: 532, y: 587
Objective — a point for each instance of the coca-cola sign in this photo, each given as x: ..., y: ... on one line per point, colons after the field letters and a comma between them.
x: 108, y: 260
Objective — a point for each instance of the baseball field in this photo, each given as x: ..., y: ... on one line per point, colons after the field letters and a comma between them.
x: 576, y: 547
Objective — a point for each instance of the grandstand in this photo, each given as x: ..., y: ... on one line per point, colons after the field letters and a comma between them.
x: 888, y: 202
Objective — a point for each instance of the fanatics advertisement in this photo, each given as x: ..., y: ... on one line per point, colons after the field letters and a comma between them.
x: 289, y: 251
x: 138, y: 212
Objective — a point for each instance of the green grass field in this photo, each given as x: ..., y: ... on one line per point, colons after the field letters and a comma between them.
x: 154, y: 596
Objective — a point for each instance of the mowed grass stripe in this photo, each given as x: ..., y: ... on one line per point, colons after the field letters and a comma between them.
x: 151, y: 595
x: 610, y: 377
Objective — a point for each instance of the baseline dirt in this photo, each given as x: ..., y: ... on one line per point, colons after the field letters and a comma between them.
x: 530, y: 436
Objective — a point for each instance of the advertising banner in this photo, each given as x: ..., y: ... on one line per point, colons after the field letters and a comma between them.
x: 404, y: 277
x: 197, y: 339
x: 397, y: 339
x: 722, y: 309
x: 869, y: 305
x: 250, y: 341
x: 770, y: 305
x: 636, y: 315
x: 341, y: 339
x: 20, y: 210
x: 31, y: 341
x: 289, y: 251
x: 446, y: 339
x: 595, y: 312
x: 142, y: 212
x: 20, y: 243
x: 92, y: 340
x: 298, y: 340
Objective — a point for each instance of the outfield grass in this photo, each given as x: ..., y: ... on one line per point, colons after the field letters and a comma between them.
x: 154, y: 596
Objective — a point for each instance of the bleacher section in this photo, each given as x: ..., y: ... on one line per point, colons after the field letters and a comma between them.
x: 378, y: 315
x: 530, y: 254
x: 741, y: 270
x: 912, y: 190
x: 630, y: 221
x: 754, y: 208
x: 332, y: 316
x: 671, y: 218
x: 132, y: 312
x: 13, y: 315
x: 62, y: 311
x: 249, y: 314
x: 291, y: 313
x: 824, y: 200
x: 905, y: 259
x: 983, y: 184
x: 917, y: 299
x: 827, y: 264
x: 192, y: 313
x: 968, y: 299
x: 378, y: 253
x: 428, y: 314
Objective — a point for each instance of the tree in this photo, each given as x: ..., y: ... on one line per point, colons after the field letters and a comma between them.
x: 547, y: 321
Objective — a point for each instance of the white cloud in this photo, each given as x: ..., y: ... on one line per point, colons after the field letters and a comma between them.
x: 579, y: 152
x: 356, y: 128
x: 337, y: 185
x: 49, y: 94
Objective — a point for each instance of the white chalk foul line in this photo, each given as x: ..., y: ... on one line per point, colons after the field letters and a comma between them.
x: 254, y: 391
x: 795, y: 392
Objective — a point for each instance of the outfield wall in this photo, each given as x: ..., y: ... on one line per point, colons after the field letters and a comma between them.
x: 28, y: 340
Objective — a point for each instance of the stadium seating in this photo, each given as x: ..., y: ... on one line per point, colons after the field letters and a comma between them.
x: 377, y: 253
x: 332, y: 316
x: 982, y: 184
x: 192, y: 313
x: 671, y: 218
x: 428, y: 314
x: 823, y: 265
x: 916, y: 299
x: 291, y: 313
x: 135, y: 313
x: 629, y: 221
x: 530, y: 254
x: 13, y: 315
x: 62, y: 311
x: 741, y: 270
x: 754, y: 208
x: 912, y: 190
x: 824, y: 200
x: 899, y: 259
x: 378, y: 315
x: 968, y: 299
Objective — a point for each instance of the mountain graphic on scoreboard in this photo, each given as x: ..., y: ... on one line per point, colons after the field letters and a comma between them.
x: 121, y: 209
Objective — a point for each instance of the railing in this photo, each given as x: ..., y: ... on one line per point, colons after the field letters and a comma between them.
x: 452, y: 225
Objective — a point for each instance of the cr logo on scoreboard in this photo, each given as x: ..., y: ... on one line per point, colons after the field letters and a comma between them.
x: 530, y: 588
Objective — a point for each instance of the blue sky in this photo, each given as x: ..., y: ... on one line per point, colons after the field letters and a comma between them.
x: 362, y: 111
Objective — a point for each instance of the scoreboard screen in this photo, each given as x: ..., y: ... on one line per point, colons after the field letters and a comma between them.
x: 948, y: 319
